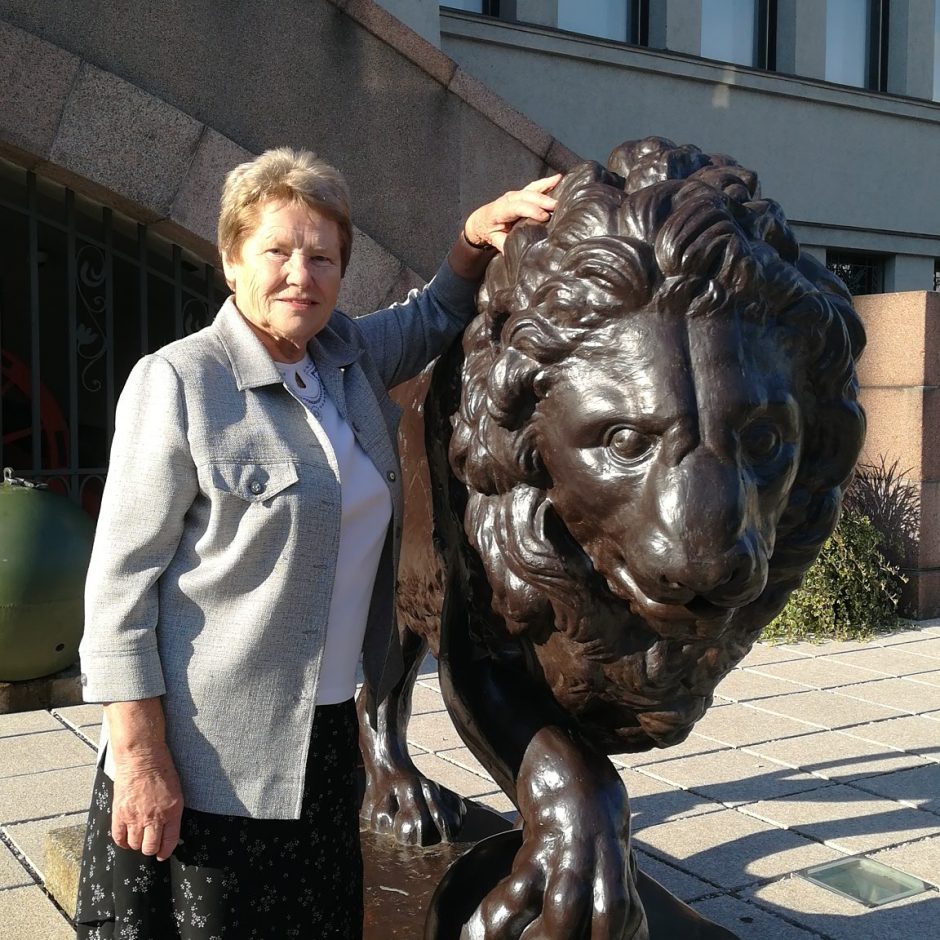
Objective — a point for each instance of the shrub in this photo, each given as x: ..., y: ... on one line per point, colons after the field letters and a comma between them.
x: 851, y: 592
x: 892, y: 502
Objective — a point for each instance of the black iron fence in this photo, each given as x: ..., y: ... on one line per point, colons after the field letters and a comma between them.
x: 84, y: 293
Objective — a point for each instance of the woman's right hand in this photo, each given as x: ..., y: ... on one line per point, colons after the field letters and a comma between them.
x: 148, y: 800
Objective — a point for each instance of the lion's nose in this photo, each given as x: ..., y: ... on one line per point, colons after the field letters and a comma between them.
x: 702, y: 542
x: 730, y: 579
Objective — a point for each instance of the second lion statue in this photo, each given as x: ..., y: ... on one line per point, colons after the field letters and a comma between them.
x: 637, y: 453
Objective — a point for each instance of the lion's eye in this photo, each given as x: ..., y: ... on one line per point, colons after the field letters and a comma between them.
x: 761, y: 441
x: 628, y: 445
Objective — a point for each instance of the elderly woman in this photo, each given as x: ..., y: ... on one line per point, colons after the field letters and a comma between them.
x: 245, y: 556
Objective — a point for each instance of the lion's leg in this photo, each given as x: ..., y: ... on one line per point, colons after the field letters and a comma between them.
x: 398, y: 799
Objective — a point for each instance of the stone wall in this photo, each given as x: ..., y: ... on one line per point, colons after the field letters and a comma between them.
x: 144, y: 106
x: 900, y: 378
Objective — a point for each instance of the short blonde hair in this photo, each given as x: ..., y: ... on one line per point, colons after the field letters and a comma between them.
x: 288, y: 174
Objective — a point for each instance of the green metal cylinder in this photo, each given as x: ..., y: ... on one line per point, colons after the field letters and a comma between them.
x: 45, y: 545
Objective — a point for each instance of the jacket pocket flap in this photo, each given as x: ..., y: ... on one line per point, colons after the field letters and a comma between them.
x: 254, y: 482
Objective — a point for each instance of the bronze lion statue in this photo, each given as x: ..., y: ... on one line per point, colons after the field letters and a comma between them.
x: 637, y: 453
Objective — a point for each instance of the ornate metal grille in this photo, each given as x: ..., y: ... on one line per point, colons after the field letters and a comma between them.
x: 84, y: 293
x: 862, y: 273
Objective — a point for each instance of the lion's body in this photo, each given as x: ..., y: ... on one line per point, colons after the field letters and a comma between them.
x: 636, y: 456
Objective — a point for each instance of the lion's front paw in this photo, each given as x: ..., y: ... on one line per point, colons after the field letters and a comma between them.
x: 415, y: 810
x: 563, y: 885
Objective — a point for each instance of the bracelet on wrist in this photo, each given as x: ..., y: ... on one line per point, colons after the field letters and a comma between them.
x: 476, y: 246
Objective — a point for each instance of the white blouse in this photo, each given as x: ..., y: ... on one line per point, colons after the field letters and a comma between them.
x: 367, y: 510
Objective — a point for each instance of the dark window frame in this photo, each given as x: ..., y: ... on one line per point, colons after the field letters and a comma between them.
x: 639, y: 21
x: 863, y: 272
x: 879, y: 24
x: 765, y: 56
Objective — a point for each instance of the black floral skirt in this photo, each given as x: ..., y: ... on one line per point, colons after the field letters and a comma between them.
x: 233, y: 877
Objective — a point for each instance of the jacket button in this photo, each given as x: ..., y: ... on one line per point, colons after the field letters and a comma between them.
x: 256, y: 487
x: 392, y: 476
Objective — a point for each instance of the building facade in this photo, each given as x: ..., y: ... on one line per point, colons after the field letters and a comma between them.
x: 835, y: 103
x: 118, y: 123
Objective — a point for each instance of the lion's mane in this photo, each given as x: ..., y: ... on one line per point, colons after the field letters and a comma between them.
x: 685, y: 232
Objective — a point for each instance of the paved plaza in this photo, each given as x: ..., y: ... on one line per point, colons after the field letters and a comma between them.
x: 811, y: 753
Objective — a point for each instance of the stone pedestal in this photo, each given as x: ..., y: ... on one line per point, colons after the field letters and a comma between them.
x: 55, y: 691
x: 899, y: 376
x: 400, y: 880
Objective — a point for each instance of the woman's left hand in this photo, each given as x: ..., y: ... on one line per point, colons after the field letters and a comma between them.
x: 490, y: 224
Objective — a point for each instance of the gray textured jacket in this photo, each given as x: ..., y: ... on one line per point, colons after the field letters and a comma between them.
x: 213, y: 563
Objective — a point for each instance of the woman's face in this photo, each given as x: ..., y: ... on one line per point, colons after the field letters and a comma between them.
x: 287, y: 276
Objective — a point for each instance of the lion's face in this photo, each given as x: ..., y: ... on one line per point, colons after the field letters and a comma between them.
x: 672, y: 444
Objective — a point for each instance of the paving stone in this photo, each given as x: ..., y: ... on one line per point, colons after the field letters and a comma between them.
x: 27, y: 723
x: 742, y: 685
x: 824, y: 672
x: 431, y: 682
x: 847, y: 818
x: 498, y: 801
x: 901, y: 636
x: 12, y: 873
x: 463, y: 757
x: 763, y: 653
x: 921, y: 859
x: 80, y: 716
x: 833, y: 755
x: 928, y: 678
x: 48, y: 750
x: 693, y: 744
x: 654, y: 801
x: 828, y: 647
x: 453, y: 777
x: 843, y: 919
x: 739, y: 724
x: 918, y: 786
x: 912, y: 733
x: 425, y: 701
x: 925, y: 647
x: 730, y: 849
x: 62, y: 859
x: 749, y: 921
x: 32, y: 796
x: 27, y: 914
x: 826, y: 709
x: 903, y: 694
x: 733, y: 776
x: 887, y: 661
x: 433, y: 731
x: 30, y: 838
x: 683, y: 885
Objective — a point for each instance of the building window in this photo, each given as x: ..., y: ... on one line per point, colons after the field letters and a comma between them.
x: 84, y: 293
x: 486, y: 7
x: 739, y: 31
x: 620, y: 20
x: 857, y: 43
x: 862, y: 272
x: 936, y: 274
